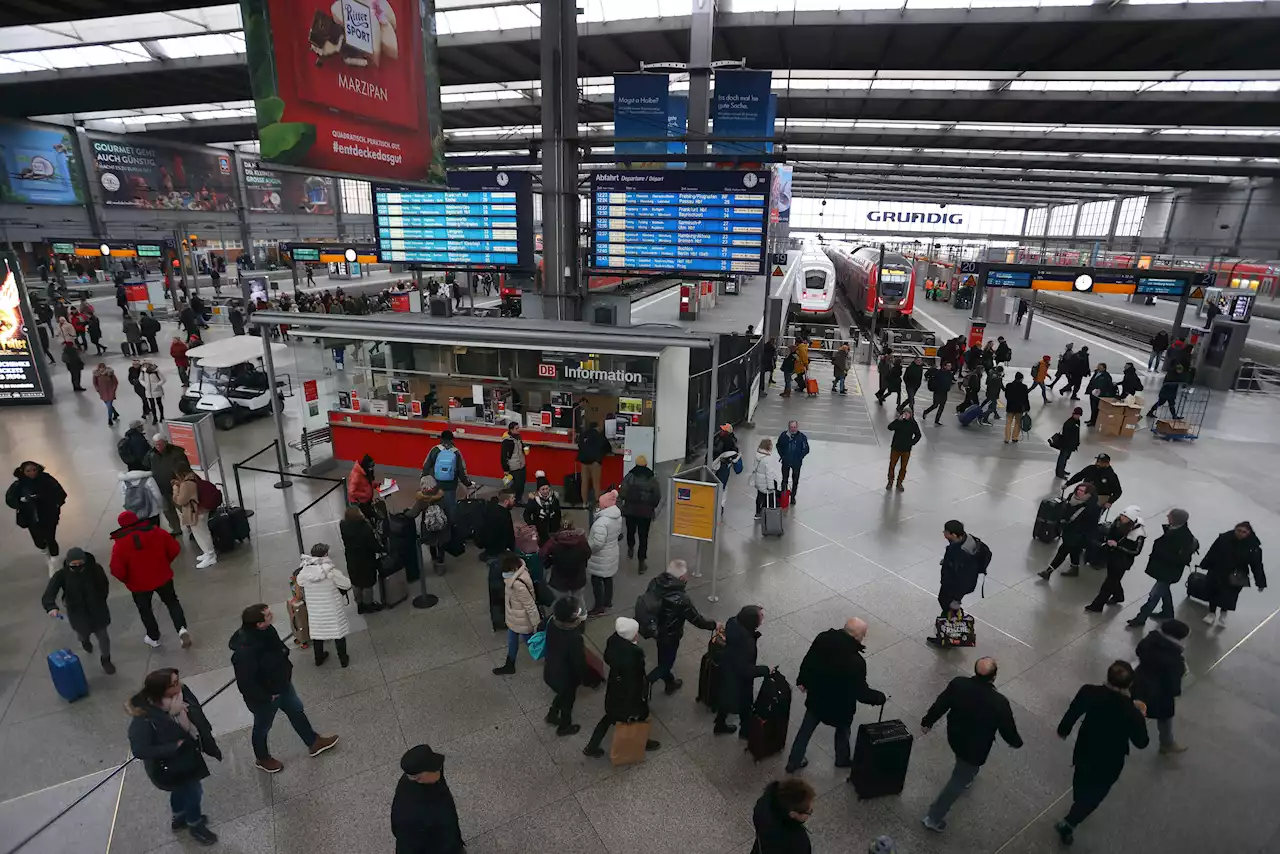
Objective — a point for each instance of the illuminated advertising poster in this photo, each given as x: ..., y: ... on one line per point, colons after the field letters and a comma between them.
x: 347, y: 86
x: 158, y: 177
x: 22, y: 377
x: 38, y: 166
x: 287, y: 192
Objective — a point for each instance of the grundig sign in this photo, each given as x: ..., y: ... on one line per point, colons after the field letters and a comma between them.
x: 916, y: 216
x: 603, y: 376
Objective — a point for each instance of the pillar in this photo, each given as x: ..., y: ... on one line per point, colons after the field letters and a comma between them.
x: 700, y: 31
x: 561, y: 280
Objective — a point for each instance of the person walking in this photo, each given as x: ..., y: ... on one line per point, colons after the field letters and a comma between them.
x: 972, y: 388
x: 66, y: 331
x: 1100, y: 385
x: 236, y: 318
x: 1022, y: 312
x: 75, y: 365
x: 1077, y: 369
x: 150, y: 328
x: 840, y: 369
x: 139, y: 493
x: 768, y: 359
x: 1004, y: 353
x: 132, y: 335
x: 169, y: 732
x: 362, y: 549
x: 264, y: 676
x: 185, y: 489
x: 801, y: 366
x: 1067, y: 442
x: 1159, y: 344
x: 542, y: 510
x: 1103, y: 478
x: 1064, y: 361
x: 833, y: 679
x: 991, y: 394
x: 905, y: 434
x: 766, y: 475
x: 1130, y: 382
x: 44, y: 343
x: 1174, y: 381
x: 94, y: 326
x: 106, y: 384
x: 912, y: 376
x: 975, y: 713
x: 163, y: 460
x: 1017, y: 402
x: 521, y: 608
x: 1121, y: 544
x: 1157, y: 681
x: 670, y: 608
x: 1113, y: 721
x: 1230, y: 560
x: 424, y: 816
x: 135, y: 382
x: 564, y: 559
x: 153, y: 385
x: 602, y: 537
x: 593, y: 447
x: 325, y: 592
x: 122, y: 298
x: 511, y: 457
x: 178, y: 352
x: 142, y: 555
x: 37, y: 498
x: 1039, y: 374
x: 724, y: 458
x: 1080, y: 513
x: 793, y: 447
x: 1170, y: 554
x: 940, y: 381
x: 739, y: 670
x: 965, y: 558
x: 84, y: 588
x: 626, y: 693
x: 564, y: 664
x: 779, y: 818
x: 989, y: 355
x: 890, y: 379
x: 640, y: 496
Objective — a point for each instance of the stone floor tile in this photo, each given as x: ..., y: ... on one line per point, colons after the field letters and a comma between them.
x: 561, y: 825
x: 361, y: 805
x: 84, y: 828
x: 451, y: 701
x: 413, y: 641
x: 249, y: 834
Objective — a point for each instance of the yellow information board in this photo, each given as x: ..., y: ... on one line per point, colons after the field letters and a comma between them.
x: 693, y: 512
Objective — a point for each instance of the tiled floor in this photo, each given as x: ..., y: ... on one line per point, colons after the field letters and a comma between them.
x: 851, y: 549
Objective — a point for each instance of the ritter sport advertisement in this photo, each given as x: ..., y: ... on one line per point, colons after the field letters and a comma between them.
x: 347, y: 86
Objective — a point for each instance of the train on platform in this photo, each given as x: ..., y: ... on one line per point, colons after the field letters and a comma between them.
x: 883, y: 285
x: 814, y: 297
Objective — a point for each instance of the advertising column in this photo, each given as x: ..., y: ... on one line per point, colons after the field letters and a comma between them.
x: 23, y: 375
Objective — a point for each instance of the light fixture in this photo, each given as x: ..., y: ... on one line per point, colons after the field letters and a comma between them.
x: 105, y: 250
x: 350, y: 255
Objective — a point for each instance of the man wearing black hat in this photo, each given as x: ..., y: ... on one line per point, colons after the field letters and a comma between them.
x: 1105, y: 481
x: 424, y: 818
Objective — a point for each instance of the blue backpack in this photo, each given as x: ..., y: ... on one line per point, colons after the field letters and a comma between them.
x: 446, y: 465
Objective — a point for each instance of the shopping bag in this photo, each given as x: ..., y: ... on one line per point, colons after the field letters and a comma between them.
x: 956, y: 629
x: 628, y: 743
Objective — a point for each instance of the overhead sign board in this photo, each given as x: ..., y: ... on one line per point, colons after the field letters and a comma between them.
x: 163, y: 177
x: 680, y: 221
x: 287, y: 192
x: 1101, y: 280
x: 641, y: 110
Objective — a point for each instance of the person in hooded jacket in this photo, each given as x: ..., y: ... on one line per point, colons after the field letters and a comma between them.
x: 1157, y: 680
x: 325, y: 589
x: 520, y: 600
x: 106, y: 384
x: 1039, y: 375
x: 1080, y: 514
x: 1100, y: 385
x: 940, y: 381
x: 132, y: 335
x: 141, y: 557
x: 603, y: 536
x: 75, y: 365
x: 169, y: 732
x: 84, y: 588
x: 1122, y: 543
x: 675, y: 608
x: 565, y: 557
x: 912, y: 376
x: 163, y: 459
x: 1130, y: 382
x: 788, y: 367
x: 542, y: 510
x: 640, y: 496
x: 565, y: 661
x: 1077, y: 368
x: 972, y: 387
x: 133, y: 447
x: 150, y: 328
x: 840, y: 360
x: 424, y: 816
x: 972, y: 357
x: 626, y: 693
x: 766, y: 475
x: 739, y: 669
x: 593, y: 447
x: 1017, y: 402
x: 1004, y: 354
x: 1230, y: 560
x: 361, y: 547
x: 139, y: 493
x: 989, y: 355
x: 780, y: 815
x: 360, y: 491
x: 1171, y: 552
x: 833, y: 679
x: 961, y: 566
x: 1068, y: 442
x: 37, y: 497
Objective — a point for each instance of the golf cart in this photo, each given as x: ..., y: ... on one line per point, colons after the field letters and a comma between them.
x: 228, y: 380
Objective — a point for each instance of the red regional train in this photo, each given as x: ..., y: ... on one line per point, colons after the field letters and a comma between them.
x: 856, y: 274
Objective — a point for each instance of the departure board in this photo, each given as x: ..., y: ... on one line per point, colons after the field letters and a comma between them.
x: 483, y: 220
x: 1162, y: 287
x: 679, y: 221
x: 1008, y: 279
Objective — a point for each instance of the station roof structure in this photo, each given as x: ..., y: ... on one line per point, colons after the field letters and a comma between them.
x: 998, y: 101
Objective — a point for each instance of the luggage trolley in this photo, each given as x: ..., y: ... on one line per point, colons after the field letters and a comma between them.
x: 1192, y: 405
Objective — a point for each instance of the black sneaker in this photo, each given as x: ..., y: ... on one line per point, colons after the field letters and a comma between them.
x: 673, y: 686
x: 87, y: 645
x: 202, y: 834
x: 791, y: 769
x: 1137, y: 623
x: 593, y: 752
x: 553, y: 718
x: 652, y: 745
x: 631, y: 552
x: 568, y: 729
x: 178, y: 824
x: 1066, y: 832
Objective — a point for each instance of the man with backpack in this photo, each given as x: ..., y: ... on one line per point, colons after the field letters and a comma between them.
x: 940, y: 381
x: 133, y: 447
x: 965, y: 559
x: 445, y: 464
x: 139, y: 493
x: 662, y: 610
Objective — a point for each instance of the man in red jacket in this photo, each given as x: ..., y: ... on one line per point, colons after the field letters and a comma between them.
x: 141, y: 554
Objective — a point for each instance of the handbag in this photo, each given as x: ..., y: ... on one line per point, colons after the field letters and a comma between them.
x: 180, y: 768
x: 737, y: 464
x: 537, y: 643
x: 1238, y: 578
x: 1055, y: 441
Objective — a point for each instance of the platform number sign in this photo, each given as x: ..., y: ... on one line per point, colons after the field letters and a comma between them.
x: 548, y: 371
x: 968, y: 267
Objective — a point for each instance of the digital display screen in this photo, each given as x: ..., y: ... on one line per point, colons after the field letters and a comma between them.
x: 305, y: 254
x: 1241, y: 307
x: 484, y: 220
x: 21, y: 379
x: 679, y: 221
x: 1008, y: 279
x: 1162, y: 287
x: 64, y: 249
x: 148, y: 250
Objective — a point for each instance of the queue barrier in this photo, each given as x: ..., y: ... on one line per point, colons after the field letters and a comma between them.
x: 236, y: 468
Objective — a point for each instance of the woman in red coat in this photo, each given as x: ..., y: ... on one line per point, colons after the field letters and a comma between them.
x: 105, y: 384
x: 141, y: 554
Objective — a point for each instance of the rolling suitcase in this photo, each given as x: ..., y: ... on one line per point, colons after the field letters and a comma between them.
x: 468, y: 516
x: 1048, y: 525
x: 573, y: 489
x: 770, y: 717
x: 880, y: 758
x: 811, y: 387
x: 709, y: 672
x: 594, y: 677
x: 973, y: 413
x: 1198, y: 585
x: 68, y: 675
x: 228, y: 526
x: 771, y: 517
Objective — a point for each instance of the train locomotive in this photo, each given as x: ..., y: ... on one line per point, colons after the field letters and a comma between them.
x: 874, y: 285
x: 815, y: 288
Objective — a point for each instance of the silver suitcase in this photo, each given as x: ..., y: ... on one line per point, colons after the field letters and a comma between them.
x: 771, y: 520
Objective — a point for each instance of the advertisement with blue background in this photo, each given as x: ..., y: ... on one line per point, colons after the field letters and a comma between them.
x: 677, y: 125
x: 38, y: 166
x: 640, y: 112
x: 741, y: 109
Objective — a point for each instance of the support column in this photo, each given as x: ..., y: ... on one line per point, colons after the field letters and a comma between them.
x: 1244, y: 217
x: 701, y: 28
x: 277, y: 410
x: 561, y: 287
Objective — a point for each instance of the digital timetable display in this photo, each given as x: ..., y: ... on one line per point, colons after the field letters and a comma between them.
x: 1008, y: 279
x: 679, y: 221
x: 482, y: 220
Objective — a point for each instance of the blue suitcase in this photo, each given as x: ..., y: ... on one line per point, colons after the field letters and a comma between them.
x: 68, y: 675
x: 970, y: 415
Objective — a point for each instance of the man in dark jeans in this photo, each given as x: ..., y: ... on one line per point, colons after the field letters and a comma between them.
x: 264, y: 676
x: 675, y: 608
x: 793, y: 447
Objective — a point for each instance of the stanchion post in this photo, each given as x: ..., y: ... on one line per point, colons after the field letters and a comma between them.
x: 277, y: 413
x: 715, y: 546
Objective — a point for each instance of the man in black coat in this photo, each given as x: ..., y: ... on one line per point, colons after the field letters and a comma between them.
x: 1112, y: 721
x: 1106, y: 483
x: 963, y: 561
x: 1171, y: 552
x: 912, y: 376
x: 37, y: 498
x: 940, y: 381
x: 565, y: 661
x: 739, y: 670
x: 150, y: 328
x: 1068, y: 442
x: 84, y: 588
x: 975, y: 712
x: 264, y: 676
x: 626, y: 695
x: 1158, y: 679
x: 674, y: 609
x: 833, y: 678
x: 424, y: 817
x: 780, y: 815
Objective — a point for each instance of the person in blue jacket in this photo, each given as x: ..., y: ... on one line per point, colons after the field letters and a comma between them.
x: 793, y: 447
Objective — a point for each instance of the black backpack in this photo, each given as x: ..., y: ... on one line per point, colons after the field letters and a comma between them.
x: 648, y: 606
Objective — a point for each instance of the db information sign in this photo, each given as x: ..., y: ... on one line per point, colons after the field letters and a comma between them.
x: 693, y: 513
x: 548, y: 371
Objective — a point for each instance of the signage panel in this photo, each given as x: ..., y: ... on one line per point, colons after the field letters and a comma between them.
x: 693, y: 513
x: 484, y: 219
x: 287, y: 192
x: 680, y: 221
x: 161, y: 177
x: 22, y: 374
x: 1162, y: 287
x: 741, y: 110
x: 641, y: 111
x: 38, y: 166
x: 1008, y: 279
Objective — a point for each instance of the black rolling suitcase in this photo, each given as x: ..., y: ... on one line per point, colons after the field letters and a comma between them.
x: 228, y: 526
x: 709, y: 672
x: 881, y: 755
x: 770, y: 717
x: 573, y: 489
x: 1048, y: 525
x: 1198, y: 585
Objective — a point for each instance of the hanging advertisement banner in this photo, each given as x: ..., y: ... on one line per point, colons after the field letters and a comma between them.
x: 348, y: 86
x: 287, y: 192
x: 677, y: 125
x: 740, y: 109
x: 640, y: 113
x: 38, y: 166
x: 159, y: 177
x: 22, y: 363
x: 780, y: 195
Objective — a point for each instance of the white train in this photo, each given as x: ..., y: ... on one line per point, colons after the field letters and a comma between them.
x: 815, y: 288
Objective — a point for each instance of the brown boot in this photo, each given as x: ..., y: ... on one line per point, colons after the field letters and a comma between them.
x: 323, y: 743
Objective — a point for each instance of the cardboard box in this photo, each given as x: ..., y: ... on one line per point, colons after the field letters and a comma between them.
x: 1172, y: 428
x: 1116, y: 419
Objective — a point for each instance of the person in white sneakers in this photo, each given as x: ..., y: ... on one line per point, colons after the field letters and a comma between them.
x: 37, y: 497
x: 193, y: 514
x: 1234, y: 555
x: 141, y: 556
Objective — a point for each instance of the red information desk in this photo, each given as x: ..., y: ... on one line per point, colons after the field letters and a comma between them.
x: 404, y: 443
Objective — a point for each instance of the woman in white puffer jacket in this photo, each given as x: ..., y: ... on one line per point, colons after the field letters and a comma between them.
x: 324, y: 588
x: 766, y: 475
x: 606, y: 530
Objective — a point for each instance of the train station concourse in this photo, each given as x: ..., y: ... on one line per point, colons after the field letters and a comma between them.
x: 774, y: 316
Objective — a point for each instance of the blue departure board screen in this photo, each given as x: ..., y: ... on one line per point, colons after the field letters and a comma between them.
x: 679, y: 221
x: 1008, y: 279
x: 1162, y: 287
x: 483, y: 220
